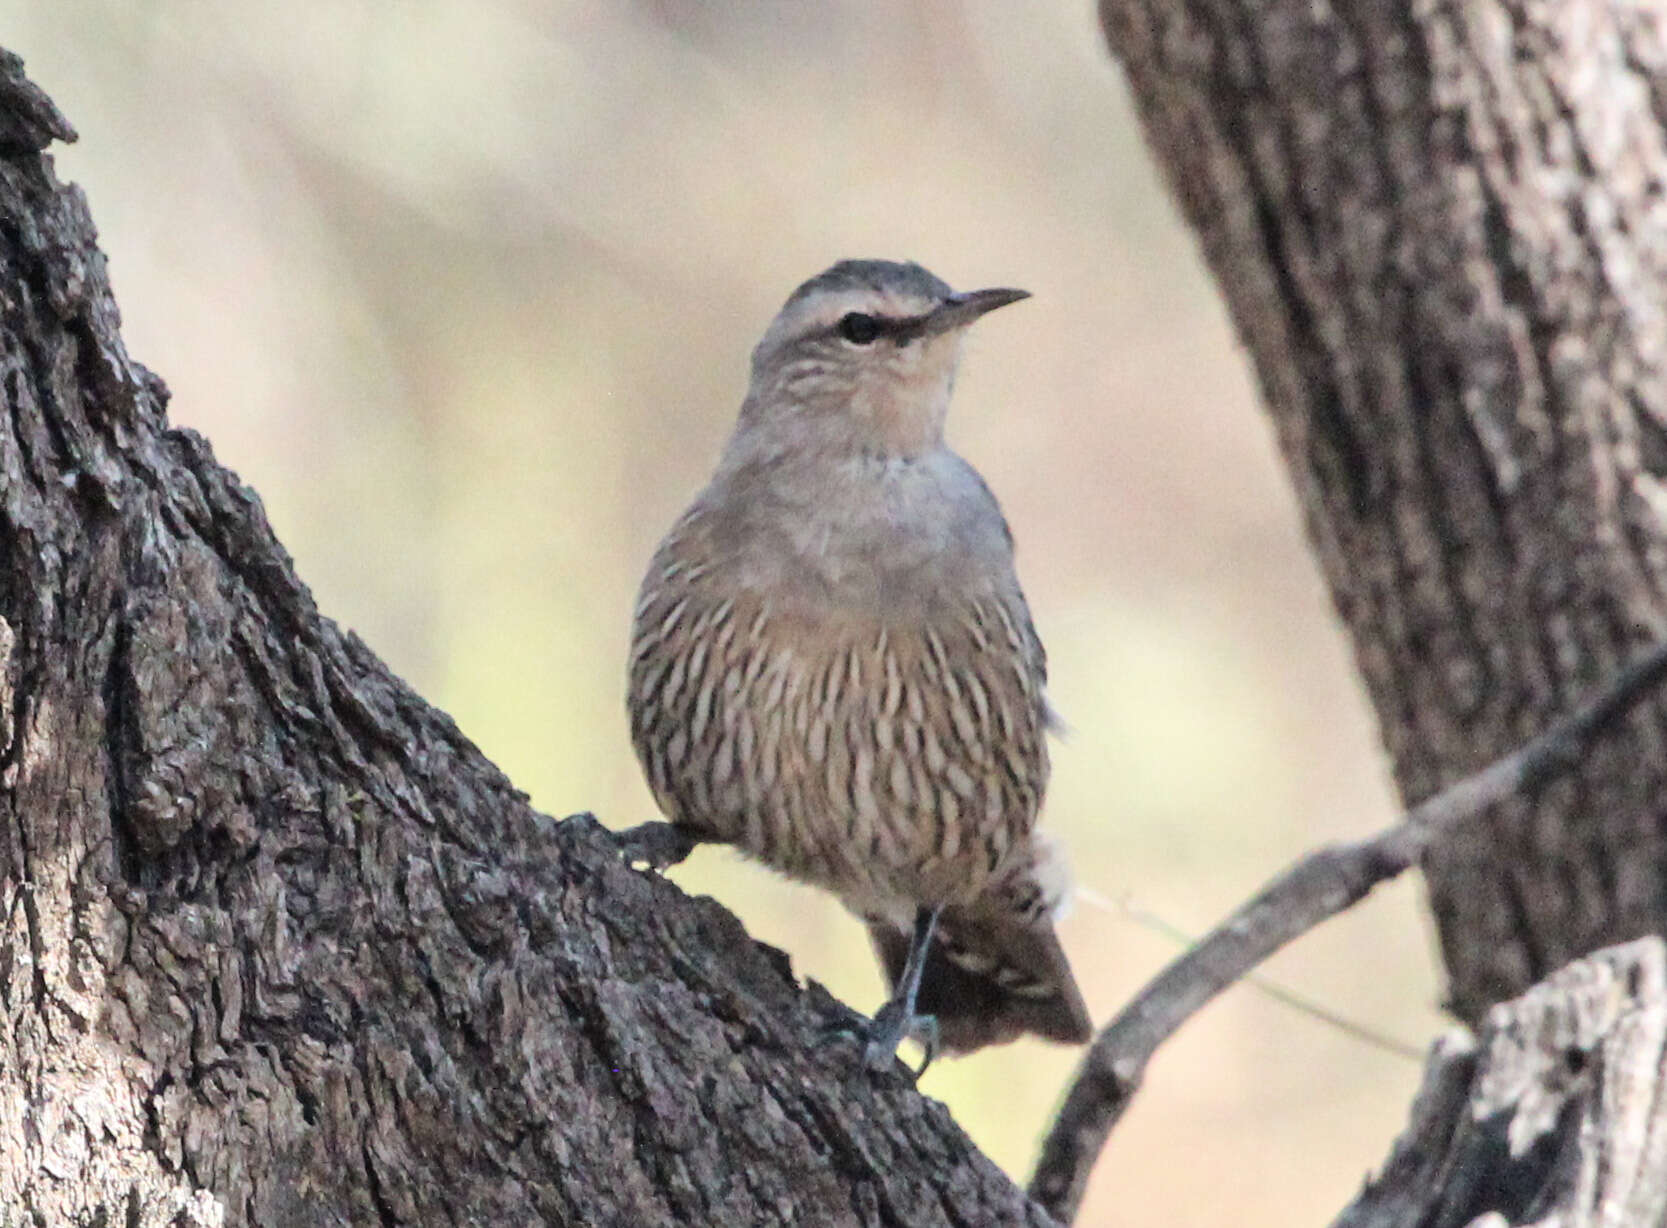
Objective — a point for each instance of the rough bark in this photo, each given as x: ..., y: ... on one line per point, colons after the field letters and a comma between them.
x: 1441, y: 230
x: 1552, y: 1118
x: 280, y: 946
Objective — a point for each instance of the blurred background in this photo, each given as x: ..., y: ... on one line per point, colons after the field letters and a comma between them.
x: 466, y: 289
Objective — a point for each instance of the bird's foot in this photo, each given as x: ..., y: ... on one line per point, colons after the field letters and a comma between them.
x: 881, y: 1036
x: 893, y: 1024
x: 656, y: 845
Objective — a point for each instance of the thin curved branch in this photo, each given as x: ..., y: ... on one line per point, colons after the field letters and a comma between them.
x: 1316, y: 888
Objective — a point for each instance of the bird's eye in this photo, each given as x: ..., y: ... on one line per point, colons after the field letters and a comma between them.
x: 858, y: 329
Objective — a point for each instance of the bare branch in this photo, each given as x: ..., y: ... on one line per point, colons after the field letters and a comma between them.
x: 1317, y: 887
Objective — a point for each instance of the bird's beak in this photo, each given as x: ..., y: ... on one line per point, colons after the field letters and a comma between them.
x: 959, y: 310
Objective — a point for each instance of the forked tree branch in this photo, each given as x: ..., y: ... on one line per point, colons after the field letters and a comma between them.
x: 1316, y: 888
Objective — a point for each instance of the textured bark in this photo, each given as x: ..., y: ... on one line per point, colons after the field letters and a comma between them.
x: 1441, y: 229
x: 1553, y: 1118
x: 280, y: 946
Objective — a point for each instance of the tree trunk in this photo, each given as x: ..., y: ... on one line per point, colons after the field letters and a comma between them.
x: 1441, y: 229
x: 281, y: 947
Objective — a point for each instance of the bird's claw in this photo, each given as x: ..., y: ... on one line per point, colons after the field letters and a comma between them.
x: 890, y: 1028
x: 880, y: 1036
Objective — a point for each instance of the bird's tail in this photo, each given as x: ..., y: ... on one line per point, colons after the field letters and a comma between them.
x: 989, y: 981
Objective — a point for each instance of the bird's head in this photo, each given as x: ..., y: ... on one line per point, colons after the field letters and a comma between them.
x: 862, y: 358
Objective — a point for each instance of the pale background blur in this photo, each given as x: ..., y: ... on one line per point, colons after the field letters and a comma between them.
x: 466, y: 291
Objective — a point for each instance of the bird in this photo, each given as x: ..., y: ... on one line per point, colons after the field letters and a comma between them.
x: 834, y: 669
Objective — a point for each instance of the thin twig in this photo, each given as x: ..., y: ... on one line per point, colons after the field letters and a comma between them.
x: 1267, y: 986
x: 1314, y: 889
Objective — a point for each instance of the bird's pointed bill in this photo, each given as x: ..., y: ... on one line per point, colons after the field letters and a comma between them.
x: 959, y: 310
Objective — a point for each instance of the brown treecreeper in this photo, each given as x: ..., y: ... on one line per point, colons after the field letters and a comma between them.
x: 833, y: 667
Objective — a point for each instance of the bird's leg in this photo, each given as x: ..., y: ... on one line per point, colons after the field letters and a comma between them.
x: 897, y: 1019
x: 657, y: 845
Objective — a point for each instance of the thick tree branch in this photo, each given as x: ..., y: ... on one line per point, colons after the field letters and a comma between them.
x: 278, y: 946
x: 1314, y: 889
